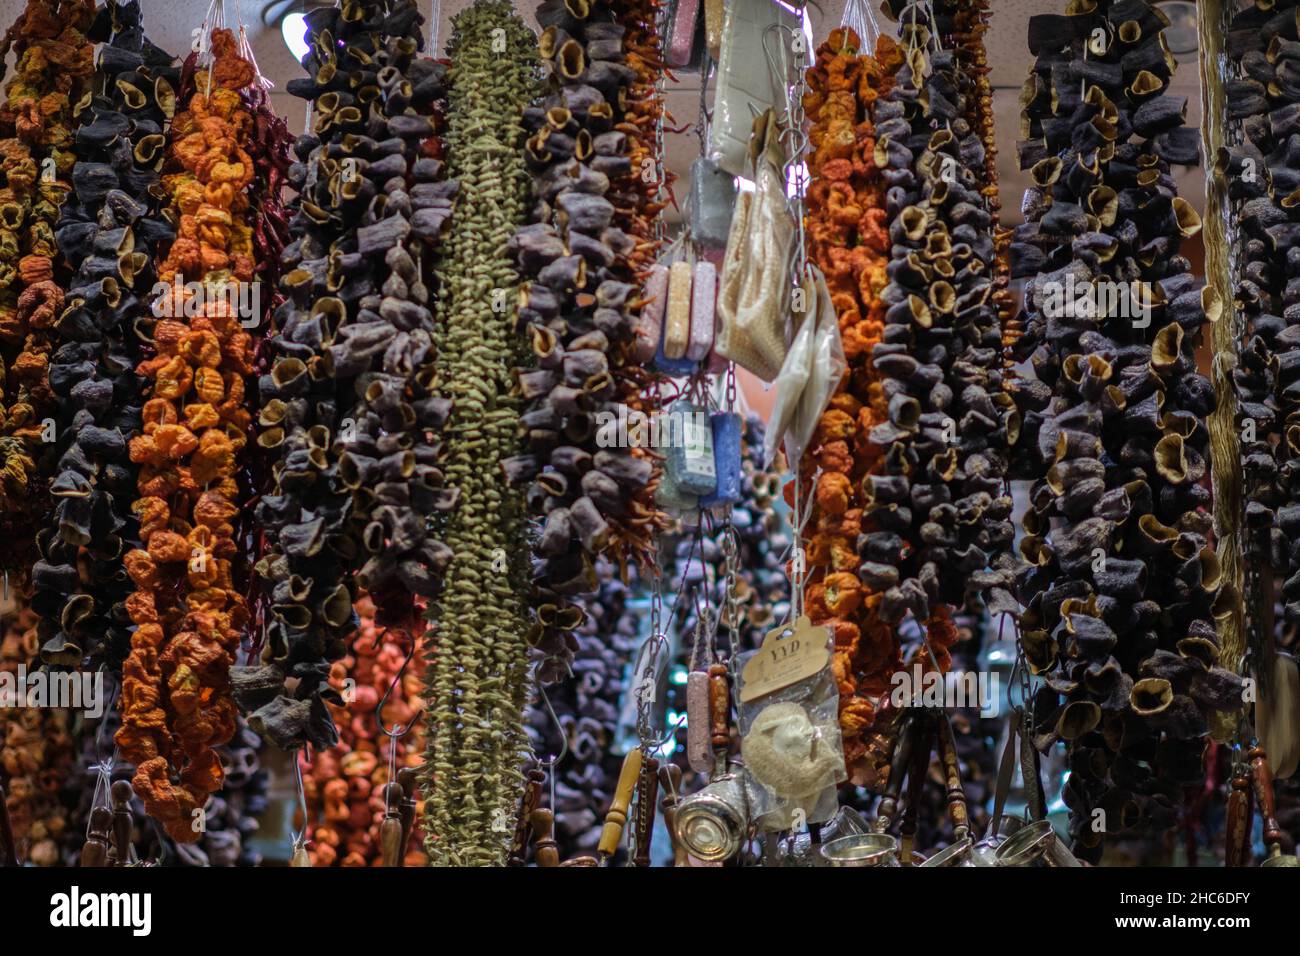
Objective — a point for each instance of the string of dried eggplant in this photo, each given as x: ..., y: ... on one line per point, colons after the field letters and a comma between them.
x: 110, y: 231
x: 350, y: 406
x: 591, y: 237
x: 1121, y: 588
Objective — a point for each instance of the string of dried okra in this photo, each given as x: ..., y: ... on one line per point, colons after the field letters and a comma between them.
x: 477, y: 678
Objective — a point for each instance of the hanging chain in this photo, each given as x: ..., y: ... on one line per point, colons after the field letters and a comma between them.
x: 661, y: 172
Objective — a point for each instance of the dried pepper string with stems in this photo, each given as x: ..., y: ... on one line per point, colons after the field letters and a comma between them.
x: 477, y: 679
x: 176, y: 697
x: 110, y: 230
x: 55, y: 60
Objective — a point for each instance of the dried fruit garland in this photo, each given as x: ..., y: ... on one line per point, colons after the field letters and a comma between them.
x: 189, y: 614
x: 344, y: 785
x: 349, y: 410
x: 54, y: 61
x: 1120, y: 591
x: 477, y: 680
x: 110, y: 230
x: 847, y: 229
x: 591, y: 237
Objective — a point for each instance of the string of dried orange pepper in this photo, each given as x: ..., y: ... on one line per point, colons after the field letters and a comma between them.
x: 847, y: 230
x: 344, y: 785
x: 176, y: 703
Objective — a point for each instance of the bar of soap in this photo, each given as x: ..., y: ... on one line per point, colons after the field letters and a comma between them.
x: 699, y: 745
x: 683, y: 33
x: 677, y: 323
x: 704, y: 293
x: 689, y: 459
x: 727, y: 429
x: 650, y: 323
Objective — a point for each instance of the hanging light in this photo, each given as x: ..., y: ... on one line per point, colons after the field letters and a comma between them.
x: 294, y: 30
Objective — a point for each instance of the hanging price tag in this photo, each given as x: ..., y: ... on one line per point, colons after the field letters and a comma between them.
x: 789, y: 654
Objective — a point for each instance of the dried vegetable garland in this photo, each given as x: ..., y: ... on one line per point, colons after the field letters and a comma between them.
x: 1121, y: 587
x: 36, y: 753
x: 350, y: 403
x: 587, y: 705
x: 848, y: 239
x: 950, y: 422
x: 477, y: 680
x: 344, y: 785
x: 1261, y: 99
x: 582, y: 258
x: 189, y: 615
x: 54, y: 61
x: 110, y: 231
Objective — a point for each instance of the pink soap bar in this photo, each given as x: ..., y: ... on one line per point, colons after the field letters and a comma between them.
x: 683, y: 34
x: 704, y: 295
x: 652, y: 314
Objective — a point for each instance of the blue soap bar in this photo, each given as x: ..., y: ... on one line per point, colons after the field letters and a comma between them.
x: 689, y: 456
x: 727, y: 428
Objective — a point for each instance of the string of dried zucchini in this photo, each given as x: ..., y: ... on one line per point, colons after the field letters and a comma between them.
x: 110, y: 230
x: 477, y: 680
x: 1121, y: 585
x: 189, y: 615
x: 54, y: 62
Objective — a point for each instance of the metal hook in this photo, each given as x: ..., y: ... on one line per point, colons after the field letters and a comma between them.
x: 300, y: 836
x: 551, y: 762
x: 398, y: 730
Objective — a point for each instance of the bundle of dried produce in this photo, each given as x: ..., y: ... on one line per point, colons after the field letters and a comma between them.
x: 55, y: 59
x: 1262, y: 175
x: 349, y: 410
x: 587, y: 705
x: 344, y: 785
x: 1121, y: 585
x: 848, y: 239
x: 189, y: 614
x: 477, y: 680
x: 592, y: 234
x: 111, y: 231
x: 37, y: 751
x: 949, y: 422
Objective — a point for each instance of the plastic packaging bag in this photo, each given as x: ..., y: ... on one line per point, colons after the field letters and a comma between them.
x: 754, y: 290
x: 745, y: 78
x: 810, y: 374
x: 789, y: 727
x: 712, y: 203
x: 826, y: 369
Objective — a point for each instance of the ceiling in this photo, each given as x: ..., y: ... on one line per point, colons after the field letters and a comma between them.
x: 169, y: 24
